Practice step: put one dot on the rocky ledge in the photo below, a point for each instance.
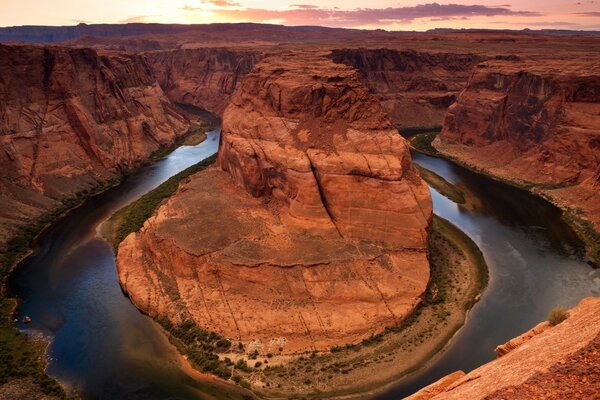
(548, 362)
(311, 231)
(534, 123)
(71, 119)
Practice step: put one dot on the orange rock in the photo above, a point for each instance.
(311, 233)
(414, 88)
(554, 362)
(69, 119)
(203, 77)
(534, 123)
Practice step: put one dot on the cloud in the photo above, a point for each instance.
(312, 15)
(137, 19)
(589, 14)
(222, 3)
(305, 6)
(214, 3)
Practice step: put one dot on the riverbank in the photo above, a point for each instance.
(132, 217)
(574, 217)
(21, 357)
(458, 276)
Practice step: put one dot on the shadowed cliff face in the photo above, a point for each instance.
(312, 230)
(535, 123)
(203, 77)
(70, 119)
(414, 88)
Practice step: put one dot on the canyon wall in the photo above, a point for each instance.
(549, 362)
(415, 88)
(311, 231)
(71, 119)
(203, 77)
(534, 123)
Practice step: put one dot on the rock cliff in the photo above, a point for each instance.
(312, 230)
(549, 362)
(415, 88)
(71, 119)
(204, 77)
(534, 123)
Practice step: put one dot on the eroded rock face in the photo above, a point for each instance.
(550, 362)
(534, 123)
(70, 119)
(310, 233)
(204, 77)
(415, 88)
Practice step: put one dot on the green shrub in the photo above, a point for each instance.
(557, 315)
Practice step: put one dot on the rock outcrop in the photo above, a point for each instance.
(534, 123)
(204, 77)
(71, 119)
(557, 362)
(312, 230)
(415, 88)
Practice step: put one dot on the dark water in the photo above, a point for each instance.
(534, 264)
(105, 349)
(102, 346)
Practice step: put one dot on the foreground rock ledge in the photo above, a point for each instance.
(548, 362)
(312, 230)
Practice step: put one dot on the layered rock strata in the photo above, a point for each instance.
(535, 124)
(204, 77)
(415, 88)
(549, 362)
(71, 119)
(312, 230)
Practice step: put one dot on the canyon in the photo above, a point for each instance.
(311, 232)
(312, 227)
(534, 124)
(70, 120)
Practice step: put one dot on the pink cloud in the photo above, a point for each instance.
(312, 15)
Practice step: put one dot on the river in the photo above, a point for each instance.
(104, 348)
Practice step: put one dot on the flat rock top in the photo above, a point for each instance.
(242, 228)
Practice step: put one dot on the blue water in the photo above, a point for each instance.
(104, 348)
(534, 261)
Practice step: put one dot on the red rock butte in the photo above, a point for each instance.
(310, 232)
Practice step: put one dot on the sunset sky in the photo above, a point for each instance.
(385, 14)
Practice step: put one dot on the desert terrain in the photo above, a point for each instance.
(307, 260)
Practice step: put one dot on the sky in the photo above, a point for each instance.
(374, 14)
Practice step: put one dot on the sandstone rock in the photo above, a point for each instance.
(204, 77)
(512, 344)
(312, 231)
(69, 119)
(534, 123)
(415, 88)
(560, 362)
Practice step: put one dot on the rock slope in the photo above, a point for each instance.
(71, 119)
(415, 88)
(549, 362)
(534, 123)
(205, 77)
(312, 230)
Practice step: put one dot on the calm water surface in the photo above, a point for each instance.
(534, 261)
(104, 348)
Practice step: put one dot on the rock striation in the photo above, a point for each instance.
(205, 77)
(414, 88)
(534, 123)
(550, 362)
(311, 231)
(71, 119)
